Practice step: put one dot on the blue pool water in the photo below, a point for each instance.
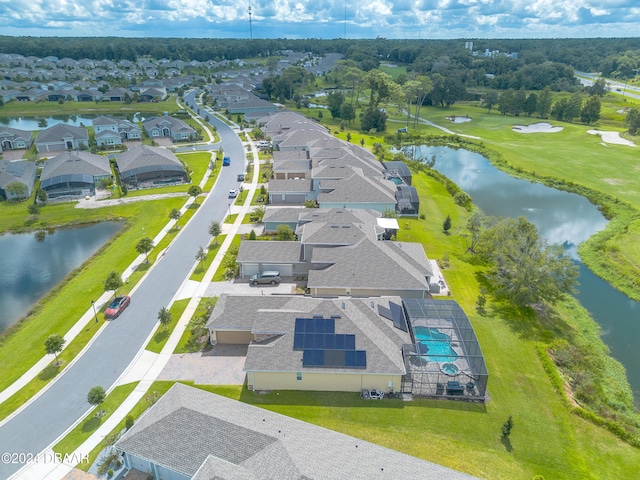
(437, 343)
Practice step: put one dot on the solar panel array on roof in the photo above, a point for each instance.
(322, 347)
(397, 315)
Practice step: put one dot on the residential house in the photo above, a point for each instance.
(74, 174)
(14, 139)
(145, 167)
(357, 191)
(193, 434)
(361, 349)
(166, 126)
(60, 137)
(110, 132)
(23, 172)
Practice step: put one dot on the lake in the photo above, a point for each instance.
(562, 218)
(30, 268)
(31, 123)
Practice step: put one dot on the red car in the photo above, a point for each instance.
(116, 307)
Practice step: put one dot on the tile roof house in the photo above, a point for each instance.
(192, 434)
(74, 174)
(61, 137)
(166, 126)
(144, 167)
(23, 172)
(14, 139)
(277, 359)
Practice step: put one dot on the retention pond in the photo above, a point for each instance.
(562, 218)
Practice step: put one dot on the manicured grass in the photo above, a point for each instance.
(27, 109)
(162, 334)
(203, 266)
(219, 275)
(183, 343)
(84, 429)
(231, 218)
(22, 345)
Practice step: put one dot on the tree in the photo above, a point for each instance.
(42, 123)
(145, 245)
(591, 110)
(446, 225)
(17, 190)
(257, 215)
(347, 112)
(473, 229)
(165, 317)
(33, 209)
(53, 344)
(215, 230)
(507, 427)
(284, 233)
(335, 100)
(201, 255)
(544, 103)
(490, 99)
(175, 214)
(194, 191)
(505, 103)
(389, 213)
(252, 235)
(373, 119)
(523, 268)
(599, 87)
(41, 195)
(113, 282)
(96, 396)
(531, 104)
(633, 121)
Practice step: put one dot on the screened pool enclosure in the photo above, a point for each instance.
(445, 359)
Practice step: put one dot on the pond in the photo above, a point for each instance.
(562, 218)
(32, 123)
(30, 267)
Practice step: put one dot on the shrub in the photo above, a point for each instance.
(128, 422)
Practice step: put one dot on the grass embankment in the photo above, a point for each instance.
(162, 334)
(85, 429)
(23, 345)
(203, 265)
(38, 109)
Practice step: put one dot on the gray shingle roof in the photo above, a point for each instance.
(269, 252)
(301, 185)
(60, 131)
(22, 171)
(145, 156)
(188, 425)
(370, 264)
(75, 163)
(357, 188)
(282, 214)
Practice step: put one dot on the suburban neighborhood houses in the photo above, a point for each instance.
(360, 317)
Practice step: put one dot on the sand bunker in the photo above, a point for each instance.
(456, 119)
(542, 127)
(612, 137)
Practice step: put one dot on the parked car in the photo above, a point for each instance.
(226, 161)
(271, 277)
(241, 177)
(233, 193)
(116, 307)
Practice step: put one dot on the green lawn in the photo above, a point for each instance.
(26, 109)
(162, 334)
(203, 266)
(183, 344)
(84, 429)
(219, 275)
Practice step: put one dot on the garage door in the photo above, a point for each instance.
(295, 198)
(285, 270)
(249, 269)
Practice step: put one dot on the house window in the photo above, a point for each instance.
(299, 376)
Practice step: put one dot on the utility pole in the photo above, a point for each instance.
(250, 24)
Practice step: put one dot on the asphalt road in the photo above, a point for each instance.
(38, 425)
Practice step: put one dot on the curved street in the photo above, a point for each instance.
(64, 401)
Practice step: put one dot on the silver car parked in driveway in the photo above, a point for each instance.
(271, 277)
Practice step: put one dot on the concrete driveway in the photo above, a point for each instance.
(222, 365)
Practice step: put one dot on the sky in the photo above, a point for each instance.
(414, 19)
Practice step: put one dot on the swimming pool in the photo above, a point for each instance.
(437, 343)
